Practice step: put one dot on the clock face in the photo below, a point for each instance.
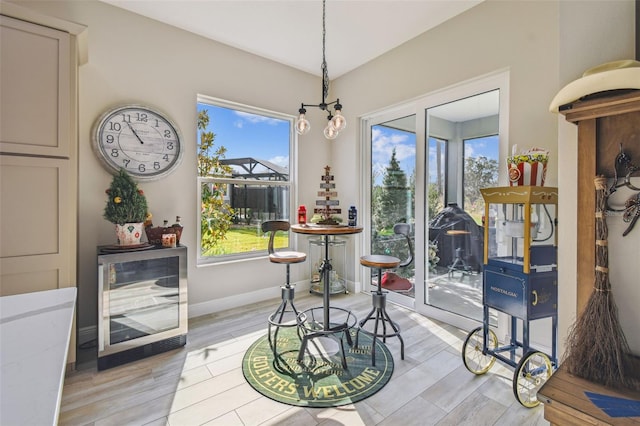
(139, 139)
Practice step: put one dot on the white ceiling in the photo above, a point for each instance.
(290, 31)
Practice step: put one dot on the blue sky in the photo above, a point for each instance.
(383, 142)
(385, 139)
(265, 138)
(249, 135)
(486, 147)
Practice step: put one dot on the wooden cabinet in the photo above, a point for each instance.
(35, 105)
(37, 158)
(38, 155)
(604, 122)
(37, 216)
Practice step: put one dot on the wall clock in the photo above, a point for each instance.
(140, 139)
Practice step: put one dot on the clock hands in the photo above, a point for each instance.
(134, 132)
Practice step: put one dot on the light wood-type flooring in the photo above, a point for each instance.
(202, 383)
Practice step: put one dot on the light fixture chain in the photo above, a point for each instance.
(325, 71)
(337, 122)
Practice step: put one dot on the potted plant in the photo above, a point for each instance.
(126, 208)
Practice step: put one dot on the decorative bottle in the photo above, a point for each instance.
(353, 216)
(302, 215)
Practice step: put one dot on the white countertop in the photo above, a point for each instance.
(35, 329)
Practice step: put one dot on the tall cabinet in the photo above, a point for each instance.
(38, 153)
(604, 123)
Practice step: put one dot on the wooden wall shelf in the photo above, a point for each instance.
(604, 122)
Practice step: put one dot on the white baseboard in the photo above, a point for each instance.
(236, 301)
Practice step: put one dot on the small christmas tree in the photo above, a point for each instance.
(330, 205)
(125, 203)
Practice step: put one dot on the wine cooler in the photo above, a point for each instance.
(142, 303)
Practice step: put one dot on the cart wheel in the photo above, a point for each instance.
(532, 372)
(473, 354)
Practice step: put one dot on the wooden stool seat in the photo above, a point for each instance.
(380, 261)
(287, 257)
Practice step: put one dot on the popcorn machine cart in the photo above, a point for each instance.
(520, 279)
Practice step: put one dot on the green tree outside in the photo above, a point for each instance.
(479, 172)
(391, 203)
(216, 215)
(433, 199)
(389, 206)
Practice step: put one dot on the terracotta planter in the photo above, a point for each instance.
(129, 234)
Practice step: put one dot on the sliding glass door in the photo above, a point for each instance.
(466, 131)
(392, 197)
(427, 161)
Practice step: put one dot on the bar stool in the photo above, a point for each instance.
(379, 298)
(282, 317)
(459, 263)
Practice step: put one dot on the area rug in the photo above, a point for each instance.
(319, 380)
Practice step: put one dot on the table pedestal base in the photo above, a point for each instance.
(311, 325)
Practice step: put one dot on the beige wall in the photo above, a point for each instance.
(542, 43)
(545, 45)
(134, 59)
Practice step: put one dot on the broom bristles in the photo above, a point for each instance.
(597, 349)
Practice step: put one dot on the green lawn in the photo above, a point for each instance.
(247, 238)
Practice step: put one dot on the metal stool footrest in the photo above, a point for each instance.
(382, 321)
(311, 327)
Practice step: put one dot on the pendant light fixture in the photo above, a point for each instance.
(336, 121)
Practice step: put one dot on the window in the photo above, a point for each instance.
(480, 171)
(456, 137)
(244, 177)
(393, 189)
(437, 175)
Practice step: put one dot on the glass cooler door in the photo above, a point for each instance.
(143, 298)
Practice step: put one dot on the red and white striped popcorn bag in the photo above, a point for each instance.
(529, 168)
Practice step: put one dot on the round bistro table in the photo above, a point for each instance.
(326, 231)
(327, 328)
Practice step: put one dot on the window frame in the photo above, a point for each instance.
(290, 183)
(445, 183)
(419, 106)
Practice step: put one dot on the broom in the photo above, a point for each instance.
(597, 349)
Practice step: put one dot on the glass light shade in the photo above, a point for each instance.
(330, 132)
(338, 121)
(302, 125)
